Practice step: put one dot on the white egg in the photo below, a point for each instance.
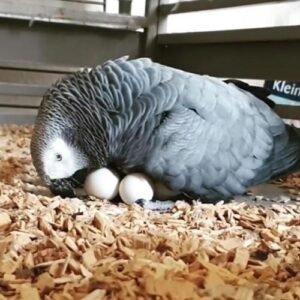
(135, 186)
(102, 183)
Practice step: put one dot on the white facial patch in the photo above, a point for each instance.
(62, 160)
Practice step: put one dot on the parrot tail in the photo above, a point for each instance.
(286, 160)
(167, 205)
(157, 205)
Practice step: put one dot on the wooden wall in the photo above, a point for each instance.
(42, 40)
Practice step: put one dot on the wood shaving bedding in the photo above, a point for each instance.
(61, 249)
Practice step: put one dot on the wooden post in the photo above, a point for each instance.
(151, 31)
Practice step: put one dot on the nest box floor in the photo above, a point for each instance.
(53, 248)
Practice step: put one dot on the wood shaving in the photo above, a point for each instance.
(54, 248)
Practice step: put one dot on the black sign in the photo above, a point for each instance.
(285, 89)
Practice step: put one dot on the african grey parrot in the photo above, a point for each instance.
(200, 136)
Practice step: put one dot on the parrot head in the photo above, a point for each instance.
(61, 164)
(65, 166)
(66, 144)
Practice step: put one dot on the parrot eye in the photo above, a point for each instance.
(58, 157)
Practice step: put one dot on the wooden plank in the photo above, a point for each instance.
(152, 29)
(263, 53)
(254, 60)
(282, 33)
(54, 12)
(36, 67)
(198, 5)
(17, 89)
(96, 2)
(20, 101)
(29, 77)
(17, 115)
(62, 48)
(288, 111)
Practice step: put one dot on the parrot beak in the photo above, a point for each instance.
(62, 187)
(80, 176)
(65, 187)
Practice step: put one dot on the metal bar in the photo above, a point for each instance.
(18, 89)
(282, 33)
(198, 5)
(53, 12)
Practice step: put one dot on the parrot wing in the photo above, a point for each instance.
(197, 133)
